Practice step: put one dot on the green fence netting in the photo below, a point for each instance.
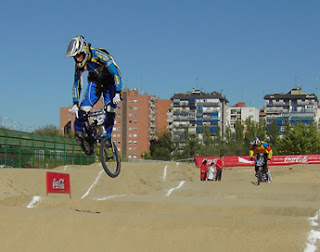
(30, 150)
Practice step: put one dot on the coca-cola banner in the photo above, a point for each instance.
(276, 160)
(58, 183)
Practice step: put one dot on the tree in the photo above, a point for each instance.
(238, 146)
(300, 140)
(161, 153)
(48, 130)
(273, 133)
(207, 147)
(161, 148)
(190, 143)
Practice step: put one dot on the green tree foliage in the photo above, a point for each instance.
(238, 146)
(273, 133)
(207, 146)
(48, 130)
(146, 155)
(299, 140)
(161, 148)
(161, 153)
(191, 146)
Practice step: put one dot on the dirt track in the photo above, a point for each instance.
(160, 207)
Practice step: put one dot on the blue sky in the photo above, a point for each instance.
(244, 49)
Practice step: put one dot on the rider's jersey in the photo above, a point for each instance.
(102, 69)
(264, 148)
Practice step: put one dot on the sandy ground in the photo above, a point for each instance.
(161, 206)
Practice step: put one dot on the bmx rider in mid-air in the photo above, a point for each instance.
(104, 78)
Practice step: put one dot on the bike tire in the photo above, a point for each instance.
(87, 147)
(259, 176)
(110, 158)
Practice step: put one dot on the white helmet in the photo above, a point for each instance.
(256, 141)
(76, 46)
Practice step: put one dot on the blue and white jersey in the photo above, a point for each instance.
(102, 70)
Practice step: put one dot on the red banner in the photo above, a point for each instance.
(276, 160)
(58, 183)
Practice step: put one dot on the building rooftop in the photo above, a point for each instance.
(295, 93)
(196, 94)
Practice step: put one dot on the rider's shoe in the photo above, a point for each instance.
(78, 136)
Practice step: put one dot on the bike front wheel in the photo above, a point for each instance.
(259, 176)
(110, 158)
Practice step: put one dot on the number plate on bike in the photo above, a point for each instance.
(259, 162)
(97, 117)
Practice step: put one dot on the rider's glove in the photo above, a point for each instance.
(116, 99)
(251, 158)
(74, 109)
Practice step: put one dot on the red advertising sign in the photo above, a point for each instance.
(276, 160)
(58, 183)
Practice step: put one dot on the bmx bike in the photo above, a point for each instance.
(263, 174)
(94, 133)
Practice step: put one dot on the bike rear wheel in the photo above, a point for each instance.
(87, 147)
(110, 158)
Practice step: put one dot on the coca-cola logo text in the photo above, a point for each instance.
(58, 184)
(296, 159)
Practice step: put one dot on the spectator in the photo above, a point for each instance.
(219, 167)
(203, 170)
(211, 172)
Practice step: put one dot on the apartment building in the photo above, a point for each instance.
(139, 119)
(240, 112)
(292, 107)
(196, 110)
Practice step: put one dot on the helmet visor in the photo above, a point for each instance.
(72, 48)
